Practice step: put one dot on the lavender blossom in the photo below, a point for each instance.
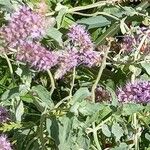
(137, 92)
(80, 38)
(67, 61)
(36, 56)
(4, 143)
(24, 24)
(3, 115)
(80, 51)
(131, 42)
(91, 58)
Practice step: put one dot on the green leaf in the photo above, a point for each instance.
(146, 66)
(19, 111)
(111, 31)
(87, 108)
(147, 136)
(130, 108)
(55, 34)
(81, 94)
(10, 94)
(7, 4)
(44, 96)
(60, 17)
(94, 22)
(122, 26)
(117, 131)
(135, 70)
(106, 130)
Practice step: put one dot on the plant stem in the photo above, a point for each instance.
(62, 101)
(96, 137)
(100, 72)
(93, 93)
(97, 4)
(73, 80)
(95, 14)
(136, 56)
(100, 125)
(52, 82)
(136, 138)
(80, 8)
(135, 121)
(10, 68)
(41, 132)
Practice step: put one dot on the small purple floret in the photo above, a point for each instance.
(67, 61)
(24, 25)
(37, 56)
(4, 143)
(137, 92)
(79, 37)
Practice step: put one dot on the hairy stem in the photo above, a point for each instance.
(100, 72)
(52, 82)
(80, 8)
(93, 93)
(10, 68)
(136, 137)
(95, 14)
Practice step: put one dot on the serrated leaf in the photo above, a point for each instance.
(19, 111)
(146, 66)
(129, 109)
(117, 131)
(122, 26)
(81, 94)
(94, 22)
(147, 136)
(44, 95)
(87, 108)
(9, 94)
(111, 31)
(55, 34)
(106, 130)
(60, 17)
(135, 70)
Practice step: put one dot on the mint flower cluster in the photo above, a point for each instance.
(80, 51)
(80, 38)
(24, 32)
(131, 42)
(137, 92)
(4, 143)
(24, 25)
(36, 56)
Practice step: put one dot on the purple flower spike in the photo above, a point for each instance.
(79, 37)
(24, 24)
(3, 115)
(91, 58)
(4, 143)
(137, 92)
(129, 43)
(37, 56)
(67, 61)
